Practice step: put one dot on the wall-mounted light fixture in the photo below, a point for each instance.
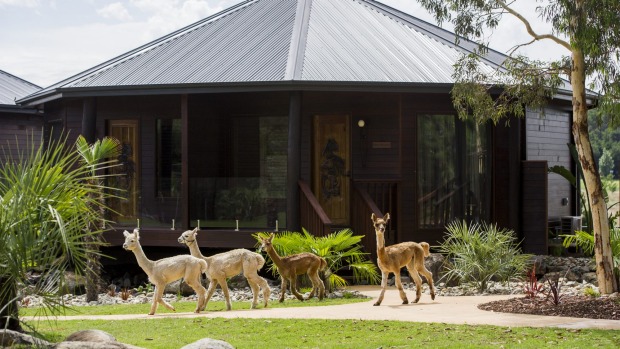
(363, 146)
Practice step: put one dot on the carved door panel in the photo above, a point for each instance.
(126, 208)
(331, 165)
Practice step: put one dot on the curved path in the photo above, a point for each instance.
(452, 310)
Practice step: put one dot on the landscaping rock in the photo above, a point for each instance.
(10, 339)
(90, 336)
(209, 343)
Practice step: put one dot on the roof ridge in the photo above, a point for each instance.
(294, 66)
(20, 79)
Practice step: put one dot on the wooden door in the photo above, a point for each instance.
(128, 179)
(331, 165)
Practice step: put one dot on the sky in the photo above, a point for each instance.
(46, 41)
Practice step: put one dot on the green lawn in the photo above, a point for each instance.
(171, 333)
(292, 333)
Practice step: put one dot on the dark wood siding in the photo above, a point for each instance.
(547, 137)
(534, 206)
(18, 132)
(506, 175)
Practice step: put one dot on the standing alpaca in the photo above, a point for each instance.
(167, 270)
(297, 264)
(227, 264)
(392, 258)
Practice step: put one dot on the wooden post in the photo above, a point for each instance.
(293, 163)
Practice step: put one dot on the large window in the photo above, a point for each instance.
(453, 179)
(242, 181)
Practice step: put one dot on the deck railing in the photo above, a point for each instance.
(312, 217)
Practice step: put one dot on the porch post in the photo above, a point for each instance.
(89, 119)
(184, 163)
(293, 162)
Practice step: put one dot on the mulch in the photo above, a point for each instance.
(604, 307)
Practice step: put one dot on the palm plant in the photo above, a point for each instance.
(585, 241)
(93, 158)
(342, 250)
(479, 253)
(46, 202)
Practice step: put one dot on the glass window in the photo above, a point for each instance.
(242, 182)
(452, 171)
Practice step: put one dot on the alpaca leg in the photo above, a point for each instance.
(399, 285)
(265, 288)
(224, 286)
(200, 292)
(429, 278)
(253, 280)
(293, 282)
(155, 301)
(384, 277)
(317, 284)
(210, 291)
(418, 280)
(283, 286)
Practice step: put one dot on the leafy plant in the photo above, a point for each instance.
(532, 288)
(342, 250)
(47, 201)
(590, 292)
(554, 294)
(479, 253)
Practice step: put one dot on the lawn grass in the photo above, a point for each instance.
(170, 333)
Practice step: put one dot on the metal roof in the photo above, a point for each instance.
(13, 88)
(271, 42)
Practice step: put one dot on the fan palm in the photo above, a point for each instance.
(47, 199)
(342, 250)
(93, 156)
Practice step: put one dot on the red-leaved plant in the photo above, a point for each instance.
(532, 288)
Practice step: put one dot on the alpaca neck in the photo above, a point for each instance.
(194, 250)
(144, 263)
(380, 244)
(275, 257)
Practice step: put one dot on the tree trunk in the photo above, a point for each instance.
(93, 271)
(9, 316)
(600, 222)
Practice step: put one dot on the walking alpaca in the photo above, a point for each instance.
(392, 258)
(297, 264)
(167, 270)
(227, 264)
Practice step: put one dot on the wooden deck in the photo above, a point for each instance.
(167, 237)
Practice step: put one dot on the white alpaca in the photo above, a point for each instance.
(228, 264)
(167, 270)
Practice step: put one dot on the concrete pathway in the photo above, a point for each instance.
(449, 310)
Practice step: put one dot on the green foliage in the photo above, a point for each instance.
(590, 292)
(585, 241)
(606, 163)
(479, 253)
(341, 250)
(46, 204)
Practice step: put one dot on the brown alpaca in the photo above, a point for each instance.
(167, 270)
(392, 258)
(297, 264)
(228, 264)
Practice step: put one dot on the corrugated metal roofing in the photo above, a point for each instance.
(269, 41)
(13, 88)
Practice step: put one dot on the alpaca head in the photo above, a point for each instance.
(380, 223)
(266, 244)
(188, 237)
(132, 240)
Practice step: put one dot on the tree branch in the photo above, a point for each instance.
(530, 30)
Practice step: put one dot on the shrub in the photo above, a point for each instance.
(342, 251)
(479, 253)
(532, 288)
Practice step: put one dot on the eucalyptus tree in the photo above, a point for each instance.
(587, 32)
(95, 157)
(47, 198)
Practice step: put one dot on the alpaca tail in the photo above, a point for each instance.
(203, 266)
(260, 261)
(426, 248)
(323, 264)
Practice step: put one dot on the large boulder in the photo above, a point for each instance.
(208, 343)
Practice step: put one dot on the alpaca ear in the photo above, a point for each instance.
(373, 217)
(137, 233)
(271, 237)
(125, 233)
(195, 230)
(387, 217)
